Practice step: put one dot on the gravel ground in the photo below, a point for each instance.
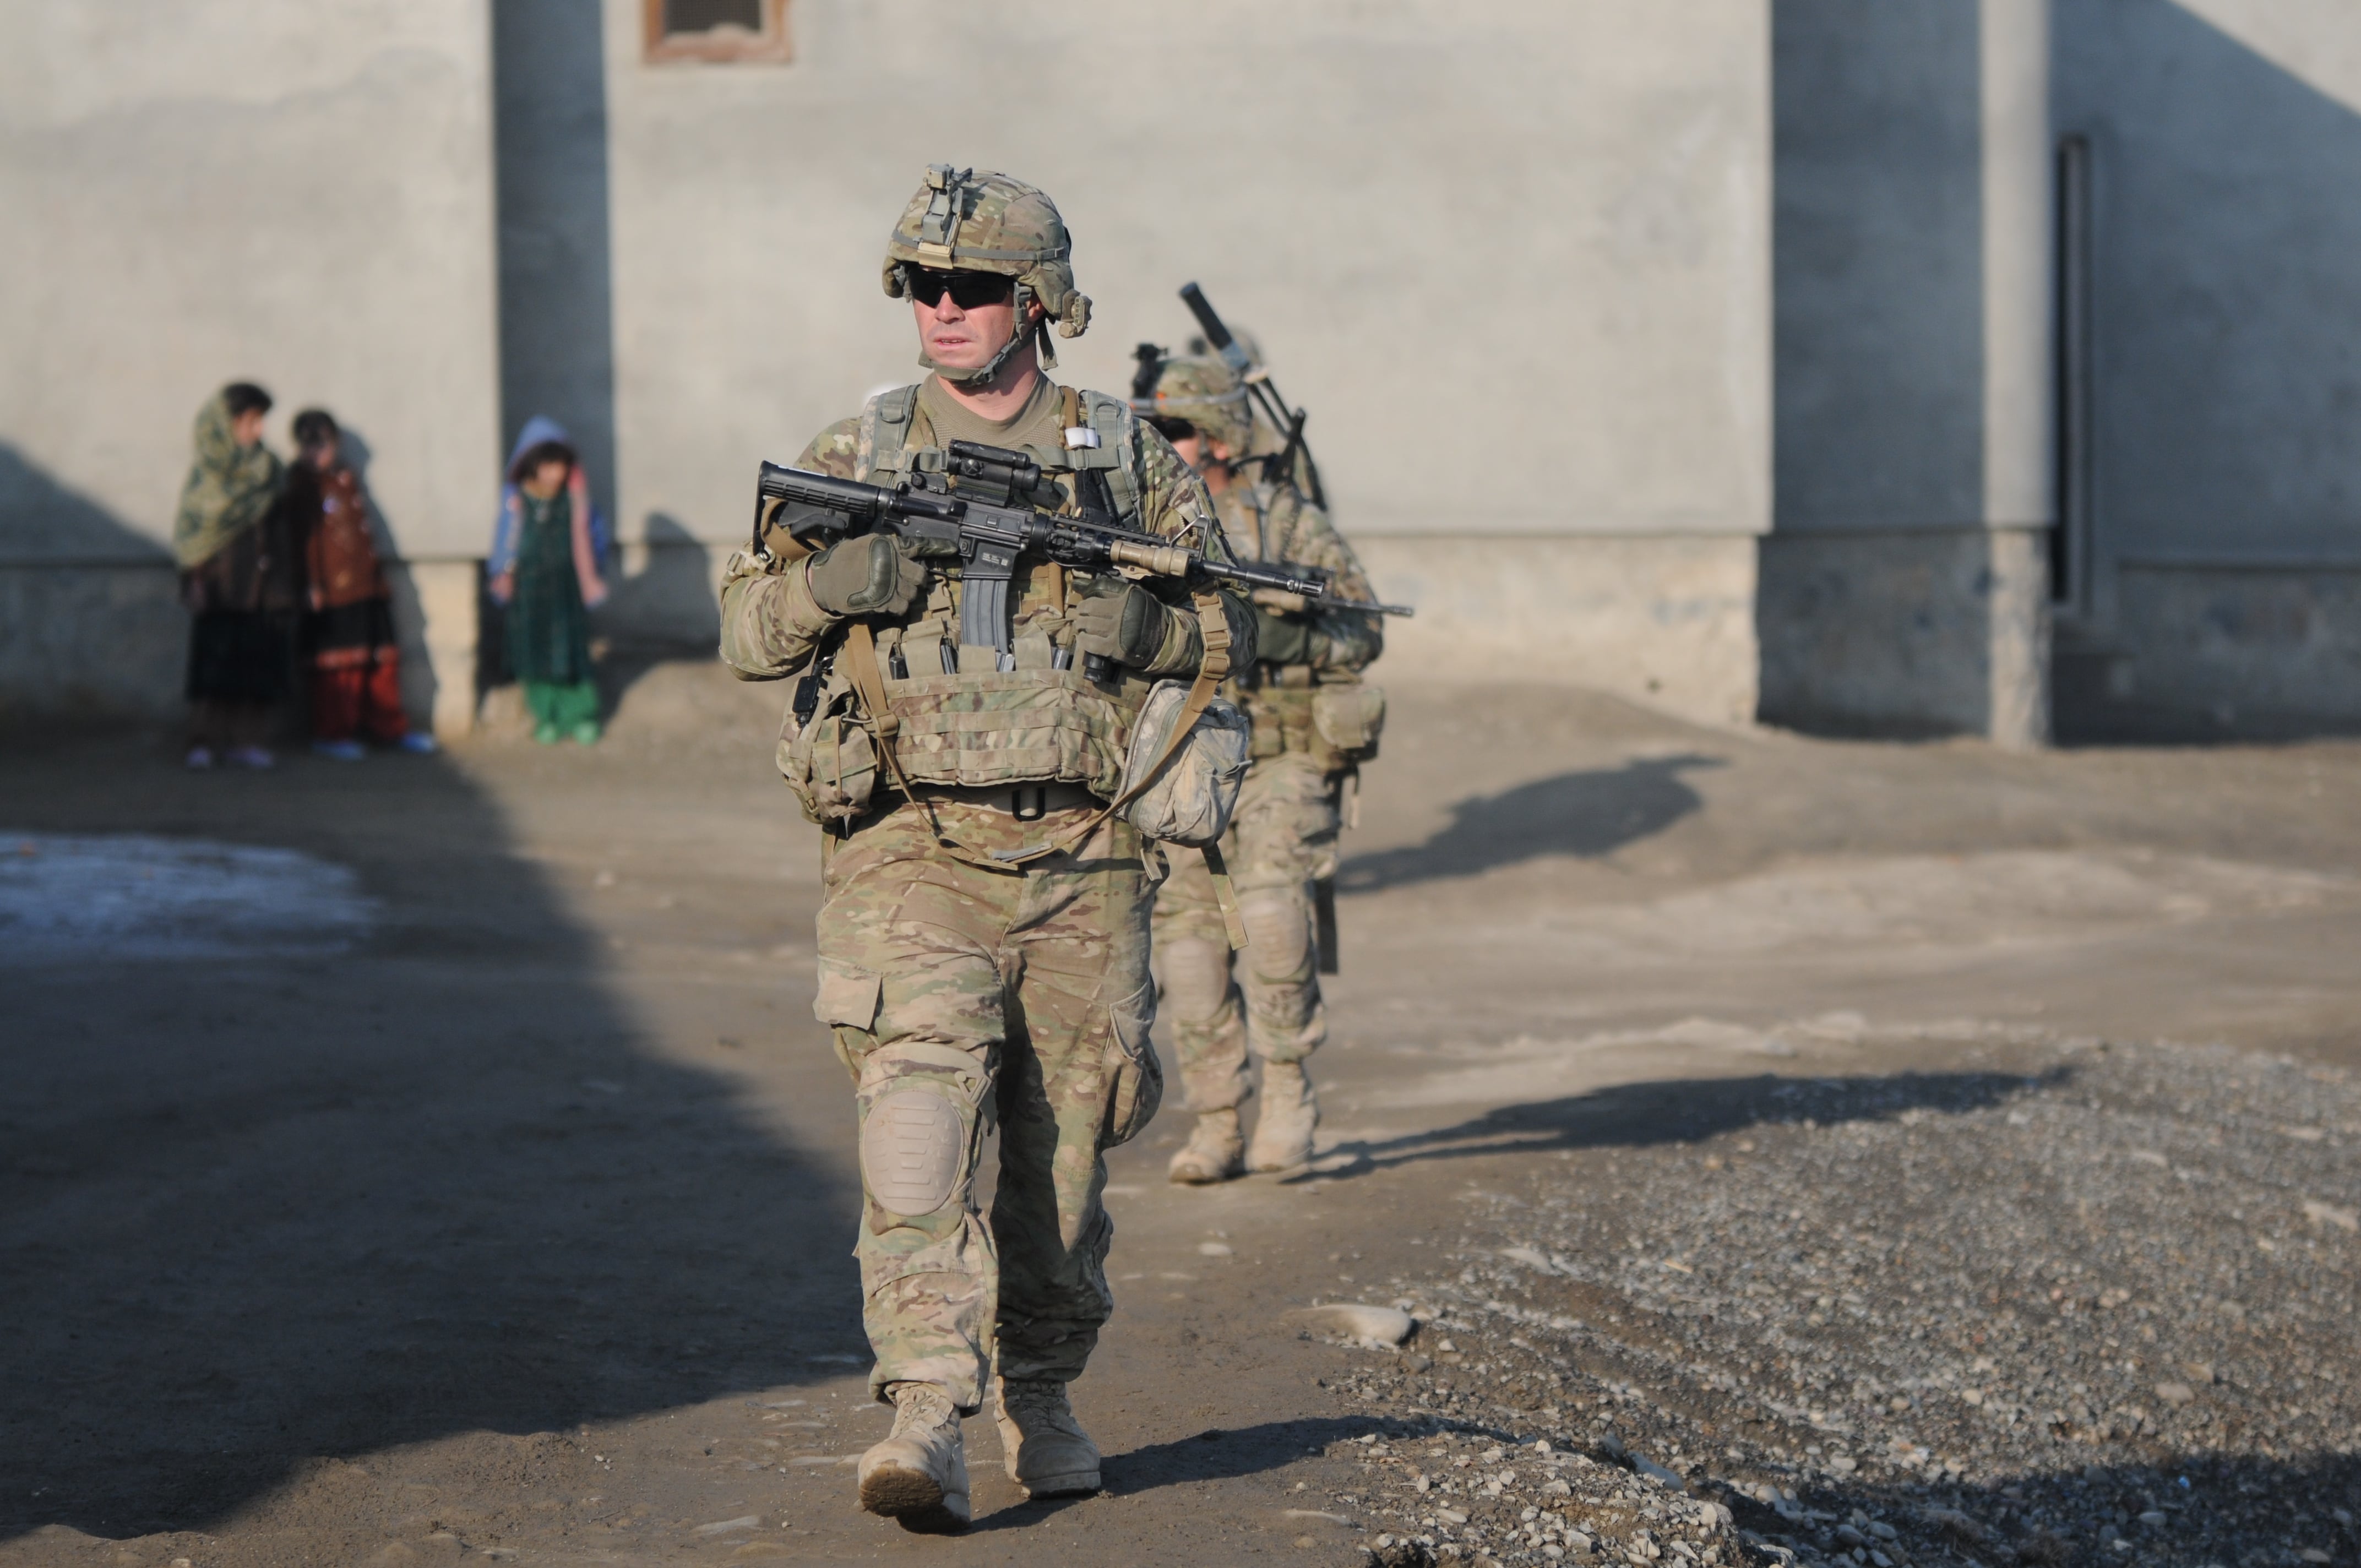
(2091, 1302)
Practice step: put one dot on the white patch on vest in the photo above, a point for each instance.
(79, 900)
(1079, 436)
(910, 1148)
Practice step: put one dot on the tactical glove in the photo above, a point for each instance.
(1282, 640)
(1119, 619)
(868, 575)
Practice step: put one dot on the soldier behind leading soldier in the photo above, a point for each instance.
(1315, 723)
(966, 992)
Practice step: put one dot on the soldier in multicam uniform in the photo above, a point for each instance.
(1314, 724)
(967, 990)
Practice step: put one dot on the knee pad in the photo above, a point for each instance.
(913, 1148)
(1196, 976)
(1279, 937)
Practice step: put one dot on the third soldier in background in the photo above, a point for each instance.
(1315, 723)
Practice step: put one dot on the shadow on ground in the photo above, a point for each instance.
(258, 1210)
(1585, 813)
(1662, 1111)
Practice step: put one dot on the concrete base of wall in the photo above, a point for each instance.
(1668, 621)
(667, 590)
(1909, 632)
(94, 637)
(112, 637)
(438, 614)
(2218, 652)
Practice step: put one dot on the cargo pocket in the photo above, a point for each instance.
(847, 994)
(1135, 1080)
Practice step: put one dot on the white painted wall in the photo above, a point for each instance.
(1513, 257)
(199, 191)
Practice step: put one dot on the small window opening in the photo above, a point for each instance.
(718, 31)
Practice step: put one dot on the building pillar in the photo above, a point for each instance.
(2019, 273)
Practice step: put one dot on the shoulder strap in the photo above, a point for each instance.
(1116, 457)
(885, 429)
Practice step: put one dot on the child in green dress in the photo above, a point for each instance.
(545, 569)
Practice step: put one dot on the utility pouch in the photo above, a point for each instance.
(1189, 797)
(829, 760)
(1345, 723)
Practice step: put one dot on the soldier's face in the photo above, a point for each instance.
(961, 337)
(1211, 459)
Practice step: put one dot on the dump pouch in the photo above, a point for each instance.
(1189, 799)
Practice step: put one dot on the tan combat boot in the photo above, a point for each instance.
(919, 1475)
(1048, 1454)
(1282, 1134)
(1215, 1151)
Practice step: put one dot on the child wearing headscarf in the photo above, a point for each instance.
(239, 577)
(348, 633)
(544, 567)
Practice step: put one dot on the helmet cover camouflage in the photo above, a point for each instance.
(962, 220)
(1202, 391)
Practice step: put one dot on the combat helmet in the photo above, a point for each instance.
(962, 220)
(1195, 387)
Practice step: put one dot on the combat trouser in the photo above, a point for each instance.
(1282, 840)
(964, 997)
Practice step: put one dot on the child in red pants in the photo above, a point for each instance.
(356, 663)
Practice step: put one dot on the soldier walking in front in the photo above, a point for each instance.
(984, 933)
(1315, 723)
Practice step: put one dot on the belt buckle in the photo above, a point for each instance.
(1040, 804)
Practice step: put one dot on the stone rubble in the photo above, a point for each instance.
(2073, 1309)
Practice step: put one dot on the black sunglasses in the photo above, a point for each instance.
(967, 290)
(1172, 428)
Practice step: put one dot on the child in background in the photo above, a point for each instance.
(238, 579)
(544, 568)
(356, 663)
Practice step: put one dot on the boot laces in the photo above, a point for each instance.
(920, 1408)
(1044, 1401)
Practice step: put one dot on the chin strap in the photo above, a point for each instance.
(983, 374)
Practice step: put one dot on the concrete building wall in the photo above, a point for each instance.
(2221, 577)
(1513, 259)
(1901, 587)
(198, 192)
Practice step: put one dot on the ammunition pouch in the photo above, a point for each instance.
(994, 728)
(1345, 723)
(1336, 726)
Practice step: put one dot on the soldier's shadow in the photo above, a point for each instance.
(1634, 1115)
(1586, 814)
(1222, 1456)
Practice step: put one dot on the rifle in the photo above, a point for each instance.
(974, 512)
(1265, 393)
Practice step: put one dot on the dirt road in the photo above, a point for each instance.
(466, 1177)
